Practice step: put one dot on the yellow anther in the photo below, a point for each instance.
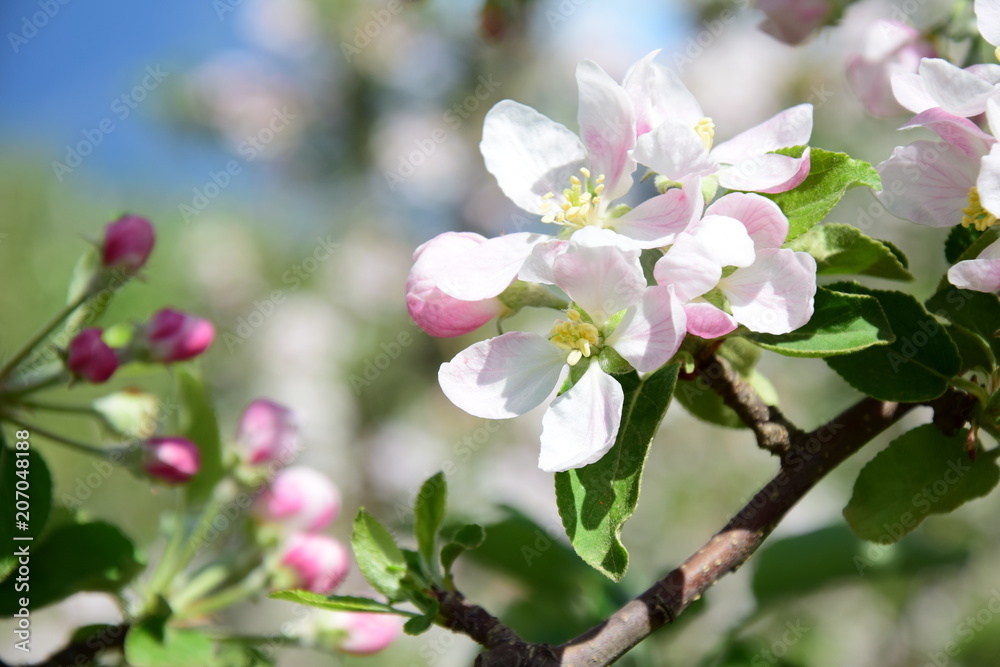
(580, 205)
(706, 130)
(574, 180)
(975, 215)
(574, 335)
(548, 195)
(585, 172)
(599, 179)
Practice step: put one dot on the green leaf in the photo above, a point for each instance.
(379, 559)
(468, 537)
(152, 643)
(333, 602)
(596, 500)
(242, 654)
(418, 625)
(429, 513)
(842, 249)
(74, 558)
(841, 324)
(26, 489)
(197, 423)
(959, 240)
(830, 176)
(916, 366)
(976, 311)
(920, 473)
(975, 352)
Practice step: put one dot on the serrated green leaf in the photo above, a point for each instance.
(468, 537)
(916, 366)
(844, 250)
(959, 240)
(429, 514)
(596, 500)
(381, 562)
(197, 423)
(333, 602)
(976, 311)
(152, 643)
(78, 557)
(841, 324)
(830, 176)
(975, 352)
(920, 473)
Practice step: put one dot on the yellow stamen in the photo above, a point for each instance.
(581, 203)
(574, 335)
(975, 215)
(706, 130)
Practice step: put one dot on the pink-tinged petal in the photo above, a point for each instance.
(988, 18)
(675, 150)
(791, 127)
(767, 172)
(598, 274)
(726, 240)
(775, 295)
(706, 321)
(763, 219)
(955, 90)
(607, 126)
(658, 94)
(689, 268)
(503, 377)
(538, 267)
(529, 154)
(956, 130)
(649, 334)
(581, 425)
(489, 268)
(988, 182)
(656, 222)
(793, 21)
(993, 115)
(910, 91)
(980, 275)
(927, 182)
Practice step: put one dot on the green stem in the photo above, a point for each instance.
(60, 407)
(202, 583)
(971, 388)
(39, 336)
(81, 447)
(57, 377)
(251, 585)
(166, 568)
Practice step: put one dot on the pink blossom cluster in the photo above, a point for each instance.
(955, 180)
(714, 268)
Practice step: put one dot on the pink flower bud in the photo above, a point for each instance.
(267, 433)
(364, 633)
(318, 562)
(127, 243)
(175, 336)
(172, 459)
(889, 47)
(90, 358)
(299, 498)
(793, 21)
(434, 311)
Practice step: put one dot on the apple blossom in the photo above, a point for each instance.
(988, 20)
(175, 336)
(299, 498)
(981, 274)
(794, 21)
(614, 314)
(318, 563)
(90, 358)
(939, 84)
(173, 459)
(266, 433)
(361, 633)
(889, 47)
(128, 241)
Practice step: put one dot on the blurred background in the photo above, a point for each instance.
(293, 154)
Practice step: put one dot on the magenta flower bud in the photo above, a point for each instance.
(172, 459)
(90, 358)
(363, 633)
(434, 311)
(127, 243)
(318, 562)
(794, 21)
(299, 498)
(175, 336)
(266, 433)
(890, 47)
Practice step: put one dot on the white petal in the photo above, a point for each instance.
(598, 274)
(537, 268)
(707, 321)
(956, 130)
(607, 126)
(502, 377)
(791, 127)
(658, 94)
(656, 222)
(988, 182)
(766, 172)
(675, 150)
(489, 268)
(910, 91)
(988, 17)
(726, 239)
(650, 333)
(954, 89)
(689, 268)
(927, 182)
(775, 295)
(993, 115)
(529, 154)
(980, 275)
(763, 219)
(581, 425)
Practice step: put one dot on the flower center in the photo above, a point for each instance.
(582, 202)
(975, 215)
(574, 335)
(706, 130)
